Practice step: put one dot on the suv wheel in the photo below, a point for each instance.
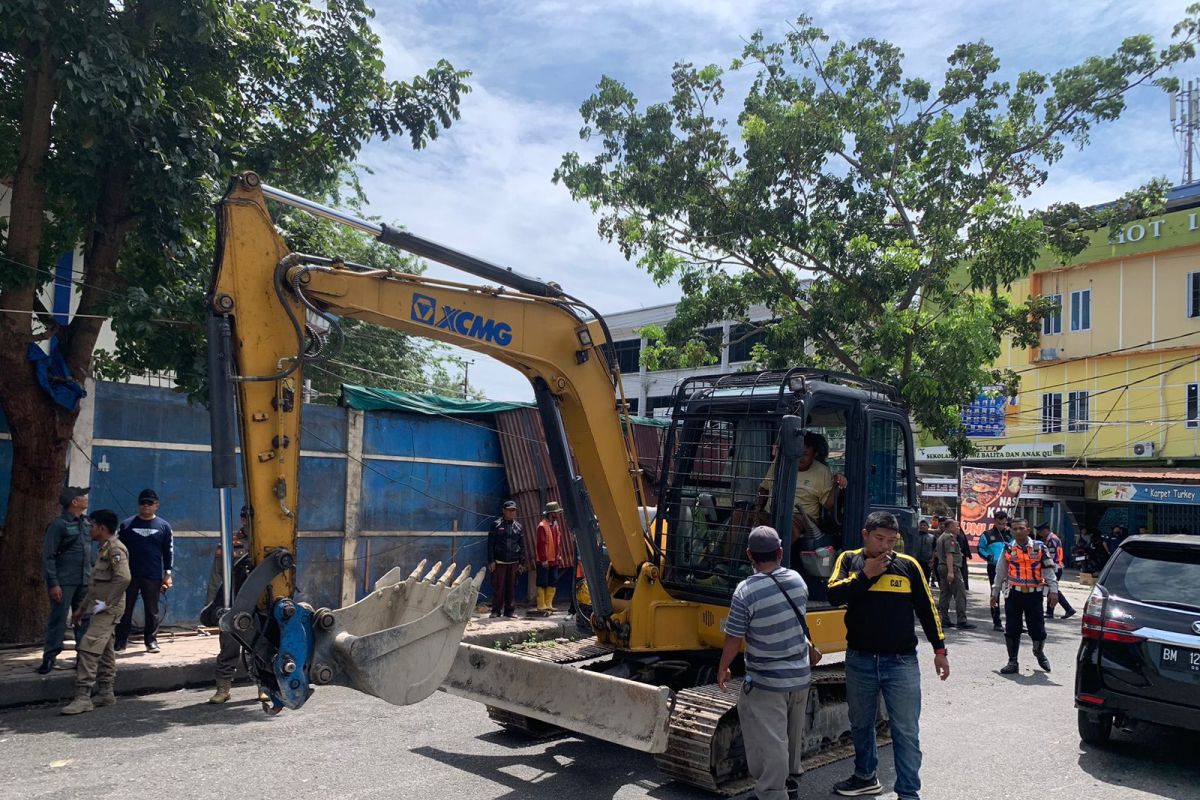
(1095, 728)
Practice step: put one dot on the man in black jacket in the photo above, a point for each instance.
(506, 556)
(881, 591)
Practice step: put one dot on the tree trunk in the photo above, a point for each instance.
(41, 431)
(41, 435)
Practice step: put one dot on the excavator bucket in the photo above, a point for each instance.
(398, 642)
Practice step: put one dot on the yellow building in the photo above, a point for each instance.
(1110, 399)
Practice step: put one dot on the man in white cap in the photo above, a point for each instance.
(766, 614)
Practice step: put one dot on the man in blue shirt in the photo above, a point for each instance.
(148, 538)
(991, 547)
(765, 614)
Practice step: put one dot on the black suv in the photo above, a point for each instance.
(1140, 655)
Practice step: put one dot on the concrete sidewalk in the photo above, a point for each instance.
(189, 657)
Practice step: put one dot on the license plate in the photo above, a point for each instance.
(1180, 659)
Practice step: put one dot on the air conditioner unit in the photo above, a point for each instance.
(1048, 354)
(1143, 449)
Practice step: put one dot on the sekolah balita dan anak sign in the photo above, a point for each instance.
(1177, 493)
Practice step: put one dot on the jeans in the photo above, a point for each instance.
(60, 613)
(898, 678)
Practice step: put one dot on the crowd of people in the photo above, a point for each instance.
(133, 558)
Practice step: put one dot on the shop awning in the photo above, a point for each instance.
(1126, 473)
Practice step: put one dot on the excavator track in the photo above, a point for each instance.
(705, 747)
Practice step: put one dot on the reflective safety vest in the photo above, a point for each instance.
(1054, 544)
(1025, 564)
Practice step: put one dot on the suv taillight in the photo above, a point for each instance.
(1095, 626)
(1093, 614)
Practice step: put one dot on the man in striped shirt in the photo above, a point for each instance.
(775, 690)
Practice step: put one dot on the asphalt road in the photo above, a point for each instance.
(985, 737)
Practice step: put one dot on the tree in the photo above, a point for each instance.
(120, 123)
(877, 215)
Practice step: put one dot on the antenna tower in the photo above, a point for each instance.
(1185, 121)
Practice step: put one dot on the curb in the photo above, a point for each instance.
(146, 678)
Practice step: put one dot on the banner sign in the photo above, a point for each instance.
(985, 416)
(983, 492)
(994, 452)
(1175, 493)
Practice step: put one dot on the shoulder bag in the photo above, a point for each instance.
(814, 655)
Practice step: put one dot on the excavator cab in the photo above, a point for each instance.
(751, 449)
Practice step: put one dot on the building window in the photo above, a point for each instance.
(1052, 322)
(658, 406)
(1193, 294)
(1081, 310)
(743, 338)
(1077, 412)
(633, 404)
(629, 354)
(1052, 412)
(1193, 405)
(714, 340)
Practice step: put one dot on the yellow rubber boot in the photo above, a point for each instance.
(549, 600)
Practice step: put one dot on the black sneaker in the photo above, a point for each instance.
(152, 647)
(855, 786)
(119, 648)
(792, 785)
(1069, 614)
(967, 626)
(997, 627)
(47, 665)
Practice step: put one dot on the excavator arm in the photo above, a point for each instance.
(271, 313)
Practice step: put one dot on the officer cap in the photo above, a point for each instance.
(71, 492)
(509, 504)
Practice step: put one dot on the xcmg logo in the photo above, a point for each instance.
(425, 310)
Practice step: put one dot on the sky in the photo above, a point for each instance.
(484, 187)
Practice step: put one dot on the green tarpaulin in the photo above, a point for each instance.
(361, 398)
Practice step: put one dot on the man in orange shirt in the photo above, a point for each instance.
(549, 547)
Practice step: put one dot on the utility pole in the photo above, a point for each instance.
(466, 377)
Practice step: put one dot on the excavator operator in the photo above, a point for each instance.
(816, 488)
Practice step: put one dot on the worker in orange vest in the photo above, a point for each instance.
(1055, 546)
(550, 547)
(1026, 569)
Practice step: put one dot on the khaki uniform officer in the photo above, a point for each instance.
(95, 660)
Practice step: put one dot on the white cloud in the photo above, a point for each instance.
(485, 185)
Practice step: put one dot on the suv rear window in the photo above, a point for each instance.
(1163, 576)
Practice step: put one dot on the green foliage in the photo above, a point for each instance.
(157, 103)
(877, 215)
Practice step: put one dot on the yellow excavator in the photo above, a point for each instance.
(659, 575)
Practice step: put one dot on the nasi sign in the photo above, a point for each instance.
(427, 311)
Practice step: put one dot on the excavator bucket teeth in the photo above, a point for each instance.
(398, 642)
(617, 710)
